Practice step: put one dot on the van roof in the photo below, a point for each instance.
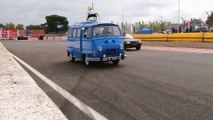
(89, 24)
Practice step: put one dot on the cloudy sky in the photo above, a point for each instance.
(34, 11)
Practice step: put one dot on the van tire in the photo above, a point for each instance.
(71, 58)
(85, 61)
(115, 62)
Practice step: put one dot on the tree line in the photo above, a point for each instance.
(53, 24)
(11, 26)
(163, 26)
(59, 24)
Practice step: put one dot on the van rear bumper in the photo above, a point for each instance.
(107, 58)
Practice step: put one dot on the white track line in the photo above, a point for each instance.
(184, 50)
(83, 107)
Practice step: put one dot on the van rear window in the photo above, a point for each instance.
(76, 33)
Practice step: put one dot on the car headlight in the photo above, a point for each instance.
(121, 47)
(127, 42)
(100, 49)
(139, 41)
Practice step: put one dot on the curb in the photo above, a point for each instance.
(20, 97)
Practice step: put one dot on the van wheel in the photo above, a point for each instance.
(71, 58)
(86, 61)
(115, 62)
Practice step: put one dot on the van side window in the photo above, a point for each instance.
(70, 33)
(78, 32)
(86, 33)
(74, 33)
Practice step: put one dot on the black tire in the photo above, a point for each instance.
(115, 62)
(71, 58)
(85, 61)
(138, 47)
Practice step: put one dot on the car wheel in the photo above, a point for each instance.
(71, 58)
(115, 62)
(138, 47)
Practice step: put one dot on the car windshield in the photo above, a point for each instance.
(100, 31)
(128, 36)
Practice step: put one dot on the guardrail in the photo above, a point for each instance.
(176, 37)
(55, 37)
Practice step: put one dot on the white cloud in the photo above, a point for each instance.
(34, 11)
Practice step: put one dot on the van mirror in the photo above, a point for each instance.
(124, 34)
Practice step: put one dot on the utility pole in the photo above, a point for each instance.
(207, 19)
(207, 13)
(179, 16)
(123, 29)
(184, 22)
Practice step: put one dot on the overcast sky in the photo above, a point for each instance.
(34, 11)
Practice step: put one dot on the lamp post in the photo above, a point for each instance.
(179, 16)
(123, 26)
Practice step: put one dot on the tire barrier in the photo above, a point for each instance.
(177, 37)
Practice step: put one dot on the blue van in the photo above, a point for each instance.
(92, 42)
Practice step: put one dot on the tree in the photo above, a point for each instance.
(196, 22)
(210, 20)
(35, 27)
(20, 27)
(56, 24)
(10, 26)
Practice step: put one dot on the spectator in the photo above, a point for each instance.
(187, 30)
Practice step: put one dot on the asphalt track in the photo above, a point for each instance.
(150, 84)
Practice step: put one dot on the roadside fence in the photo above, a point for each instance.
(176, 37)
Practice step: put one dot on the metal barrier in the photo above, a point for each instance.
(208, 37)
(176, 37)
(55, 37)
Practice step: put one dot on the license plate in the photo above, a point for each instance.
(113, 58)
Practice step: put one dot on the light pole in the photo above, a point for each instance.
(179, 16)
(123, 26)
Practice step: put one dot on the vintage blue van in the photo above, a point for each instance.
(92, 42)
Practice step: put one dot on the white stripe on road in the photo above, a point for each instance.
(83, 107)
(173, 49)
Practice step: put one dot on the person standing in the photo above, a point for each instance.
(91, 15)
